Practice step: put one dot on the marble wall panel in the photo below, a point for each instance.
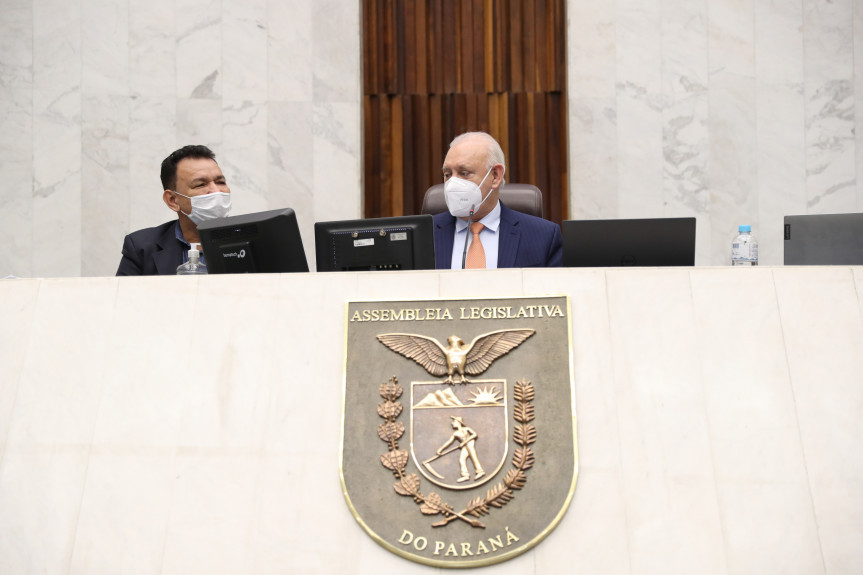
(828, 399)
(294, 396)
(731, 39)
(687, 168)
(56, 139)
(152, 129)
(231, 412)
(685, 120)
(16, 42)
(153, 134)
(585, 546)
(104, 48)
(732, 140)
(196, 532)
(639, 155)
(132, 490)
(685, 46)
(591, 50)
(336, 151)
(105, 181)
(780, 122)
(830, 155)
(243, 154)
(858, 99)
(244, 64)
(336, 54)
(778, 40)
(829, 90)
(638, 46)
(52, 425)
(40, 499)
(593, 153)
(469, 284)
(290, 51)
(757, 454)
(668, 478)
(145, 420)
(16, 137)
(732, 185)
(198, 52)
(16, 173)
(290, 165)
(17, 308)
(285, 532)
(200, 121)
(781, 165)
(152, 46)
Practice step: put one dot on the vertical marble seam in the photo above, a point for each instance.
(800, 442)
(854, 272)
(620, 482)
(720, 510)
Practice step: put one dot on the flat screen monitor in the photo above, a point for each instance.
(823, 239)
(263, 242)
(633, 242)
(399, 243)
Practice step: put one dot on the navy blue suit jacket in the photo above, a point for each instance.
(524, 241)
(152, 251)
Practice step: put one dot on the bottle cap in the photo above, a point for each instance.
(744, 229)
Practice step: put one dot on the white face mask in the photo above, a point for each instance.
(208, 206)
(463, 196)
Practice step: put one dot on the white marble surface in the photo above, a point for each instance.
(718, 416)
(732, 111)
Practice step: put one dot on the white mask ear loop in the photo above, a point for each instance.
(480, 189)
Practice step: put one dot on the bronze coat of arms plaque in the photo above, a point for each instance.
(458, 425)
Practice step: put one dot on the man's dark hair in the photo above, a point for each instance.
(169, 164)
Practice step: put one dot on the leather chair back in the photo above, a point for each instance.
(524, 198)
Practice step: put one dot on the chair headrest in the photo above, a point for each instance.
(525, 198)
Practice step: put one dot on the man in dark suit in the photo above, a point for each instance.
(196, 190)
(473, 173)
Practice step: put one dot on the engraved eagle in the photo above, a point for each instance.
(457, 357)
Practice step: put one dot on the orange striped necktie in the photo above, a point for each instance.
(475, 253)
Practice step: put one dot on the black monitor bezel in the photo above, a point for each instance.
(422, 242)
(275, 235)
(650, 242)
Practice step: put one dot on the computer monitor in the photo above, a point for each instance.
(398, 243)
(823, 239)
(263, 242)
(631, 242)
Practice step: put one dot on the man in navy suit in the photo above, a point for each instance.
(473, 173)
(195, 189)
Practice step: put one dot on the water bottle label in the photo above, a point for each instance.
(744, 251)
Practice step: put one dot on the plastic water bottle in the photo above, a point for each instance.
(194, 266)
(744, 249)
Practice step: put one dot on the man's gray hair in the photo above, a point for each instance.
(495, 153)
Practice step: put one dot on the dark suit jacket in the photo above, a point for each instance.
(524, 241)
(152, 251)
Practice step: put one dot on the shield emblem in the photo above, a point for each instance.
(459, 432)
(458, 444)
